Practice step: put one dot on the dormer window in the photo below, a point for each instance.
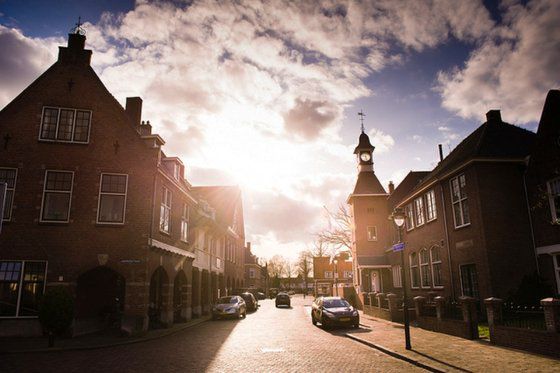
(176, 171)
(65, 125)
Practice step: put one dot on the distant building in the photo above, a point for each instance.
(328, 272)
(254, 275)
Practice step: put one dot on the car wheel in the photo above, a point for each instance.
(244, 314)
(313, 321)
(356, 326)
(324, 323)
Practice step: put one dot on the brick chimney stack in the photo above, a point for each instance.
(493, 117)
(134, 110)
(391, 187)
(74, 53)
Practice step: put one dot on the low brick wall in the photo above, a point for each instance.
(537, 341)
(458, 328)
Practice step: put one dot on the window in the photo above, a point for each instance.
(431, 213)
(409, 217)
(459, 200)
(165, 210)
(185, 223)
(554, 198)
(8, 176)
(112, 198)
(252, 273)
(22, 284)
(57, 194)
(372, 233)
(414, 273)
(556, 258)
(328, 274)
(469, 280)
(65, 125)
(397, 276)
(347, 274)
(436, 266)
(425, 268)
(419, 211)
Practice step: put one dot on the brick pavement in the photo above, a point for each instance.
(453, 354)
(269, 340)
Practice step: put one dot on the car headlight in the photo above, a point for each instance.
(355, 313)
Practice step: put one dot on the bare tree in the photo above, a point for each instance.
(304, 264)
(320, 248)
(338, 235)
(276, 267)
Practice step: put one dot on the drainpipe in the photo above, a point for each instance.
(447, 242)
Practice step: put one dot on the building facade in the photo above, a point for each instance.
(254, 275)
(329, 273)
(95, 205)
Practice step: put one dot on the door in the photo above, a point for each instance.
(469, 280)
(375, 281)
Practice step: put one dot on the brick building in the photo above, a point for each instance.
(255, 276)
(329, 271)
(468, 229)
(95, 205)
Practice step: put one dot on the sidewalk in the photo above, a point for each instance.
(90, 341)
(442, 352)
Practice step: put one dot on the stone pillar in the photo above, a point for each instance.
(419, 302)
(196, 293)
(494, 313)
(440, 306)
(371, 298)
(206, 295)
(166, 314)
(393, 306)
(551, 307)
(380, 298)
(432, 296)
(188, 291)
(470, 315)
(135, 320)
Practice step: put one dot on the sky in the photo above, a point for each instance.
(265, 94)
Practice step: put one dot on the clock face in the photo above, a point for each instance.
(365, 157)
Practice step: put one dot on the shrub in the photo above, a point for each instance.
(56, 312)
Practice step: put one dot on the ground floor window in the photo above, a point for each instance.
(397, 276)
(469, 280)
(22, 284)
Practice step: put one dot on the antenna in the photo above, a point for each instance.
(362, 115)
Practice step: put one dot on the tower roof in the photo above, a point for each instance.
(363, 144)
(368, 183)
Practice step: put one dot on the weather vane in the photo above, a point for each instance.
(362, 115)
(78, 29)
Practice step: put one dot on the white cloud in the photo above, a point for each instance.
(383, 142)
(513, 68)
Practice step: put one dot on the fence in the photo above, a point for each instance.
(523, 316)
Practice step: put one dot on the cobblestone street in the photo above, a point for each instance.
(269, 340)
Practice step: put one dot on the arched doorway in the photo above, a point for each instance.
(158, 285)
(180, 297)
(99, 300)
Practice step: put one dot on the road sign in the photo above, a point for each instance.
(398, 247)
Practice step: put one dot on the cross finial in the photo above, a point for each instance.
(78, 29)
(362, 115)
(79, 24)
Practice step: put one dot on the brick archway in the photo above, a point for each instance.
(159, 285)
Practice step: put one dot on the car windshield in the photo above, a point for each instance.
(335, 303)
(246, 296)
(227, 300)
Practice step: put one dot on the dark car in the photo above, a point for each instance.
(331, 311)
(231, 306)
(283, 299)
(260, 296)
(250, 301)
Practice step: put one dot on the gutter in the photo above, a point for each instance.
(447, 242)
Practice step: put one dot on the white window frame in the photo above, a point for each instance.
(125, 194)
(397, 276)
(347, 274)
(328, 274)
(412, 267)
(432, 262)
(185, 223)
(419, 219)
(71, 191)
(20, 286)
(553, 214)
(165, 209)
(424, 266)
(431, 206)
(369, 237)
(58, 124)
(13, 194)
(459, 203)
(409, 217)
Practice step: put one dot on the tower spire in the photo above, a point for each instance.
(362, 115)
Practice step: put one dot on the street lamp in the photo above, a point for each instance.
(398, 217)
(335, 262)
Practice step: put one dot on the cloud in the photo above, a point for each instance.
(512, 69)
(309, 118)
(382, 141)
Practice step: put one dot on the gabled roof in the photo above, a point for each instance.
(225, 199)
(368, 183)
(406, 186)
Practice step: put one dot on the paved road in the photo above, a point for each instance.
(269, 340)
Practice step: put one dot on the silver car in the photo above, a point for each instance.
(231, 306)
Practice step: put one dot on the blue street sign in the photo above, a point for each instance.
(398, 247)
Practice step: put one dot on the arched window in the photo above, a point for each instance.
(414, 273)
(435, 259)
(425, 268)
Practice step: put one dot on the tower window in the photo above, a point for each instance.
(372, 233)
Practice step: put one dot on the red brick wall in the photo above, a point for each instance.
(538, 341)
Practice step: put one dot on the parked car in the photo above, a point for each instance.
(250, 301)
(272, 292)
(231, 306)
(283, 299)
(331, 311)
(261, 296)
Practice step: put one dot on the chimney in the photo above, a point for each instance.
(391, 187)
(249, 246)
(493, 117)
(134, 110)
(440, 147)
(145, 128)
(74, 53)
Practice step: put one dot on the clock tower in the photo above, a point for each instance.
(370, 225)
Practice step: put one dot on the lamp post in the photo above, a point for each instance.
(398, 218)
(335, 262)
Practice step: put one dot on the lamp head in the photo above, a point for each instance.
(398, 217)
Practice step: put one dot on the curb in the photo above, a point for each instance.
(394, 354)
(106, 345)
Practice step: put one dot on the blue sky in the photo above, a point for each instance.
(266, 94)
